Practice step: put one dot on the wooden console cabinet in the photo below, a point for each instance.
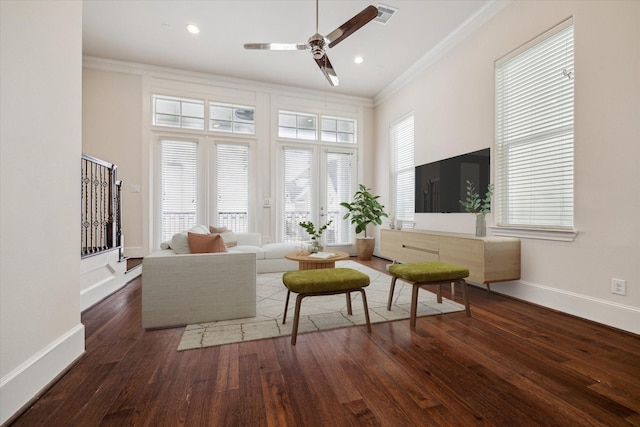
(489, 259)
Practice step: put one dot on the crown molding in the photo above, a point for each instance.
(464, 30)
(154, 71)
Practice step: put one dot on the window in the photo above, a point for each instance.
(231, 118)
(297, 125)
(178, 112)
(232, 183)
(534, 133)
(179, 186)
(335, 129)
(402, 169)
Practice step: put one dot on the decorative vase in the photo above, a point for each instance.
(315, 247)
(481, 225)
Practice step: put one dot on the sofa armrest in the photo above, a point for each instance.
(197, 288)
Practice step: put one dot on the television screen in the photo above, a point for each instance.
(441, 185)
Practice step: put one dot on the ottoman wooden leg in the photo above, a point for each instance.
(296, 319)
(465, 296)
(286, 306)
(414, 305)
(391, 289)
(366, 309)
(349, 309)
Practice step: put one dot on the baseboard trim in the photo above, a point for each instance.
(22, 386)
(608, 313)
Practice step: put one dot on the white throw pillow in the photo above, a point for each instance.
(230, 239)
(200, 229)
(180, 243)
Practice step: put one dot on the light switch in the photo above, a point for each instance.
(135, 188)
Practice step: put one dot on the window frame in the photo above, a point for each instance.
(393, 144)
(535, 230)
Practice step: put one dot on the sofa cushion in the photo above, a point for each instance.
(277, 250)
(205, 243)
(260, 253)
(180, 243)
(217, 230)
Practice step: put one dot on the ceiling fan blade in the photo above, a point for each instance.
(276, 46)
(352, 25)
(327, 70)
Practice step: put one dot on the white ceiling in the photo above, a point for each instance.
(154, 32)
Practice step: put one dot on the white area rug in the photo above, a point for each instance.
(316, 313)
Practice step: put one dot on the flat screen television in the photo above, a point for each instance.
(441, 185)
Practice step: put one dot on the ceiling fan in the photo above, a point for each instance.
(317, 43)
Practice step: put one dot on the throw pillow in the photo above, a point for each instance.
(230, 239)
(217, 230)
(180, 243)
(205, 243)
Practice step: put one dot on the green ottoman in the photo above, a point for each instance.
(326, 281)
(421, 274)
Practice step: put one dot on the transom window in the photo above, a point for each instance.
(178, 112)
(232, 118)
(335, 129)
(297, 125)
(304, 126)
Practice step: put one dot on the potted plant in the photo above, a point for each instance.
(315, 234)
(364, 210)
(478, 206)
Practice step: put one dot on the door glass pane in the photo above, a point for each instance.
(339, 186)
(297, 192)
(179, 185)
(232, 169)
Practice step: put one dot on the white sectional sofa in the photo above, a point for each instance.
(180, 288)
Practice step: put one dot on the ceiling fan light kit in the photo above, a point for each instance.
(318, 43)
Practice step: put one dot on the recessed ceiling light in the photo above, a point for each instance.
(193, 29)
(358, 59)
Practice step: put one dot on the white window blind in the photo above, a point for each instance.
(179, 183)
(339, 181)
(232, 182)
(297, 192)
(534, 133)
(403, 172)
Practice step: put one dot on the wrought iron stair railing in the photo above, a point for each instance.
(101, 216)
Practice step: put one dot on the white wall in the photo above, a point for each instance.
(40, 134)
(453, 102)
(111, 131)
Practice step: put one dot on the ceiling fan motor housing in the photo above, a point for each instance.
(317, 43)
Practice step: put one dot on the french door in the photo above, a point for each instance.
(314, 181)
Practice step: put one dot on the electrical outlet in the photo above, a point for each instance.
(618, 286)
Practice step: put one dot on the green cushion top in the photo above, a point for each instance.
(428, 271)
(324, 280)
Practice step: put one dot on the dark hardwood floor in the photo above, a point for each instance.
(510, 364)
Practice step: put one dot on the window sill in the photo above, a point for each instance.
(535, 233)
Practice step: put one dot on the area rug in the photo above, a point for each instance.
(316, 313)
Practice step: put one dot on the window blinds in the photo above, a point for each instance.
(402, 143)
(339, 189)
(297, 192)
(179, 182)
(232, 187)
(534, 133)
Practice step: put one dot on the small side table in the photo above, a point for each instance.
(305, 262)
